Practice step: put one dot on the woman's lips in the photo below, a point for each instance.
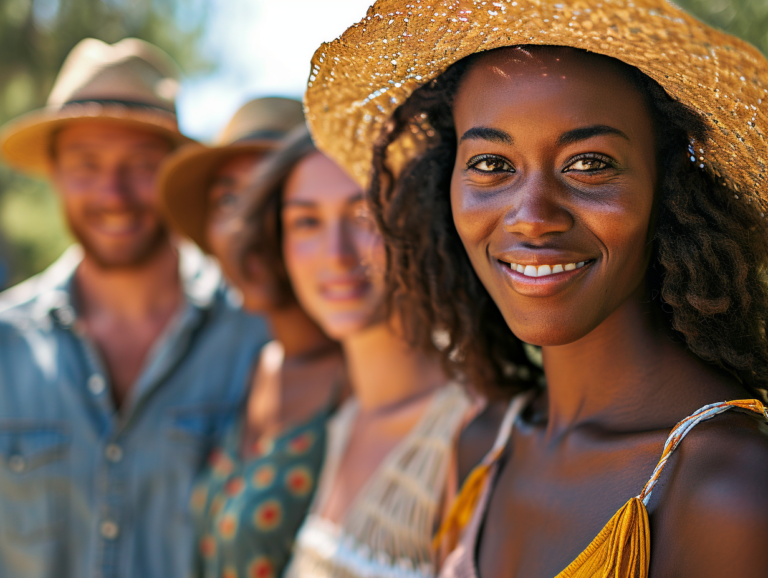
(543, 280)
(344, 290)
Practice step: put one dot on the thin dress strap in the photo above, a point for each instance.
(468, 508)
(681, 430)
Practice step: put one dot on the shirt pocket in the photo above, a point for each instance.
(34, 479)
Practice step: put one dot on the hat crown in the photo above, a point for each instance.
(263, 118)
(129, 71)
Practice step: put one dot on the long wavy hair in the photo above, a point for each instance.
(260, 224)
(706, 273)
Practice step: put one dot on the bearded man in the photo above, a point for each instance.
(123, 362)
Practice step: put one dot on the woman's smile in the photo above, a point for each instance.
(543, 280)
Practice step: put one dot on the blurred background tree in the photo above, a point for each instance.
(747, 19)
(35, 38)
(36, 35)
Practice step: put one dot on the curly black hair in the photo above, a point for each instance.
(706, 273)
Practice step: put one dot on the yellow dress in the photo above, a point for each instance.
(621, 550)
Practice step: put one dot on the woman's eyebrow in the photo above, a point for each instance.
(486, 133)
(299, 203)
(578, 134)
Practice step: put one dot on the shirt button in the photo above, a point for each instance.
(17, 464)
(114, 453)
(109, 530)
(96, 384)
(66, 315)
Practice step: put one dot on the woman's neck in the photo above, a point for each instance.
(383, 369)
(297, 333)
(628, 374)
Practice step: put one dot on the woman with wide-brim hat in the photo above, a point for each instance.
(266, 466)
(589, 177)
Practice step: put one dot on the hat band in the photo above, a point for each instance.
(116, 102)
(261, 135)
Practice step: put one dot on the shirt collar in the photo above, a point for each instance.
(200, 277)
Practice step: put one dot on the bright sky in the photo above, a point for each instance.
(262, 48)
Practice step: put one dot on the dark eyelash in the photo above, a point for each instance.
(593, 157)
(484, 157)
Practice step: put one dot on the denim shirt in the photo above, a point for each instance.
(87, 491)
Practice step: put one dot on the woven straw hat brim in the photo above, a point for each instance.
(357, 81)
(185, 178)
(25, 142)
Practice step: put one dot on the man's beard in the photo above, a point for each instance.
(133, 257)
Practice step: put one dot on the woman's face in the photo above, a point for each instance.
(553, 187)
(333, 251)
(259, 289)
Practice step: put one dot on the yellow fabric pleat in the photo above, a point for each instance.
(464, 505)
(621, 550)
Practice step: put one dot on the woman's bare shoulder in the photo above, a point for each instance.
(711, 518)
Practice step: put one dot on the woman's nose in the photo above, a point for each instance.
(536, 209)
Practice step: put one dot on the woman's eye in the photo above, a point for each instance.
(226, 201)
(588, 165)
(304, 223)
(490, 164)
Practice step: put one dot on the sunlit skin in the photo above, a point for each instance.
(128, 286)
(334, 253)
(105, 174)
(555, 165)
(336, 262)
(287, 393)
(227, 187)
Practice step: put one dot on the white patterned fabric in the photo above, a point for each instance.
(387, 532)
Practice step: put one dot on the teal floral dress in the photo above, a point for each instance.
(248, 511)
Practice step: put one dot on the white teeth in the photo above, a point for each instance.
(544, 270)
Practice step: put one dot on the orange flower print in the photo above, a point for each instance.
(221, 464)
(199, 498)
(217, 505)
(301, 444)
(299, 481)
(262, 447)
(227, 526)
(263, 477)
(234, 487)
(268, 515)
(229, 572)
(208, 546)
(261, 567)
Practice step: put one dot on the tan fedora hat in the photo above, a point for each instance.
(131, 82)
(259, 126)
(358, 80)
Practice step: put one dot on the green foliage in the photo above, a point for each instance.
(747, 19)
(35, 38)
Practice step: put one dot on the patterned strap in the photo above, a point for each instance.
(685, 426)
(464, 505)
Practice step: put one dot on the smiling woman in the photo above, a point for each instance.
(538, 192)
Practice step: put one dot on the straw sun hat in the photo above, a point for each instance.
(357, 81)
(131, 82)
(259, 126)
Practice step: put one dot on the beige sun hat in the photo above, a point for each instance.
(259, 126)
(131, 82)
(357, 81)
